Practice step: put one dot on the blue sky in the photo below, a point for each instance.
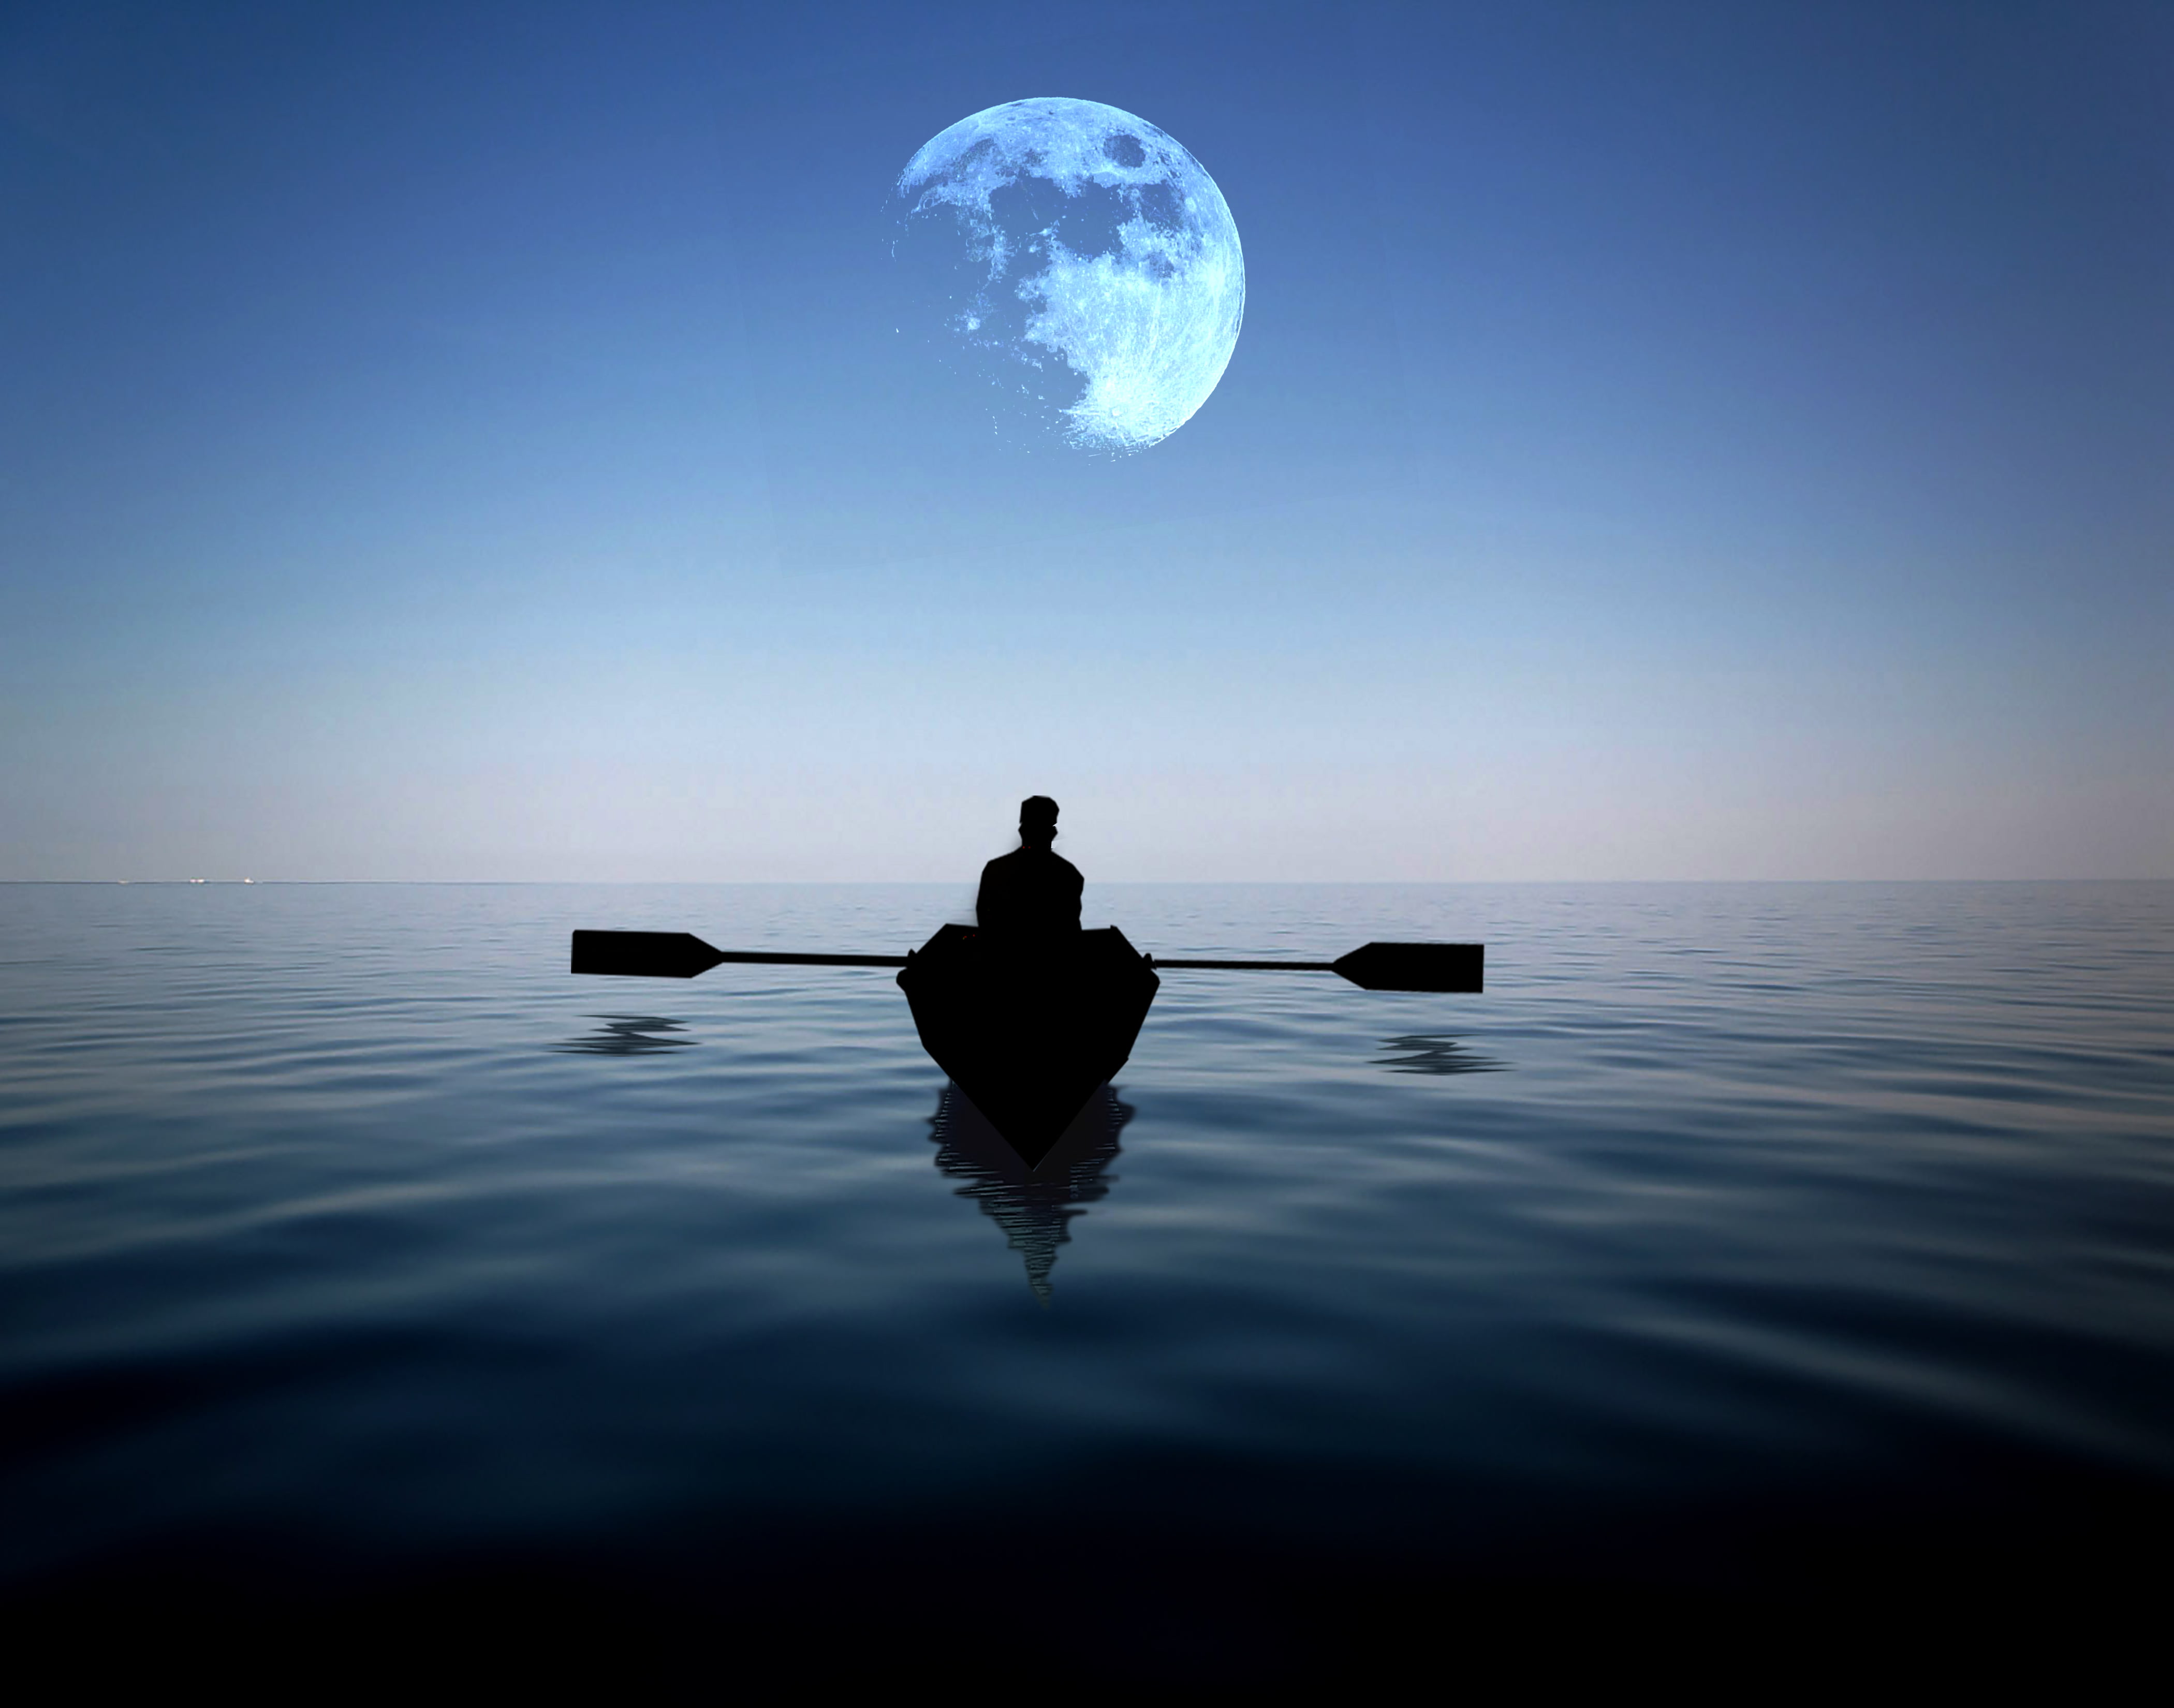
(1698, 441)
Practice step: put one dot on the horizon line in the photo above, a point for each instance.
(945, 883)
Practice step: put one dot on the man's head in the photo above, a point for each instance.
(1037, 821)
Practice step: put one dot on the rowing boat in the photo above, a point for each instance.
(1028, 1029)
(1029, 1033)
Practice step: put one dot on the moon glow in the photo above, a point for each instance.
(1082, 262)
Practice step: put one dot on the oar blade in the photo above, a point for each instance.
(643, 955)
(1416, 966)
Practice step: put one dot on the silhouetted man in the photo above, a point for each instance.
(1033, 893)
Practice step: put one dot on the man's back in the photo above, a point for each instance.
(1029, 893)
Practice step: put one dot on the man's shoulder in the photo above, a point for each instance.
(1029, 863)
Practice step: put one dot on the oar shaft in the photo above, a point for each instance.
(761, 958)
(1239, 966)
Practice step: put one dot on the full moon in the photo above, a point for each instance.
(1081, 261)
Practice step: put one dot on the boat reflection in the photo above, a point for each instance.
(627, 1035)
(1032, 1205)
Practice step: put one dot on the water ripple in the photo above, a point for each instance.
(343, 1210)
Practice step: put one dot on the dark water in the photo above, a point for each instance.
(1743, 1246)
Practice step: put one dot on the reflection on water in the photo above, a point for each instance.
(626, 1035)
(1032, 1205)
(1814, 1254)
(1427, 1053)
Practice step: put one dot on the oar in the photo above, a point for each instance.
(1377, 966)
(680, 954)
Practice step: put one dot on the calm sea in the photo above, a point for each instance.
(1742, 1248)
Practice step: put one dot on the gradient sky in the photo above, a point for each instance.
(1666, 441)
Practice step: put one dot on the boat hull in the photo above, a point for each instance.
(1029, 1036)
